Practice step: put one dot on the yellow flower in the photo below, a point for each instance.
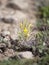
(28, 34)
(30, 25)
(25, 30)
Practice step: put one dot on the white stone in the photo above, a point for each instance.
(21, 3)
(4, 33)
(26, 55)
(44, 43)
(9, 53)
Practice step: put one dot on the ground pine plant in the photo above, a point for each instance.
(24, 30)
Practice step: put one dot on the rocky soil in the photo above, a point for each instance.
(11, 13)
